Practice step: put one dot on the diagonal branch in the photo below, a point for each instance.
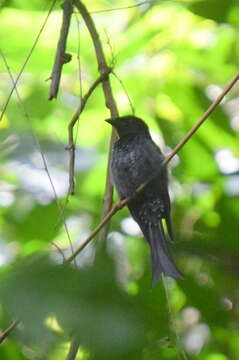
(61, 57)
(7, 331)
(120, 204)
(211, 108)
(73, 350)
(147, 2)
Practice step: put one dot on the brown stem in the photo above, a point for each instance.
(61, 57)
(104, 221)
(109, 101)
(120, 204)
(71, 144)
(203, 118)
(108, 193)
(7, 332)
(74, 347)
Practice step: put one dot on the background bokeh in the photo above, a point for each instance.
(173, 58)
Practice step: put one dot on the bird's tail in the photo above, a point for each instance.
(162, 261)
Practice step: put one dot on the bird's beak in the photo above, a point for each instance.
(111, 121)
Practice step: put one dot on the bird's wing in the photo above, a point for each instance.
(161, 181)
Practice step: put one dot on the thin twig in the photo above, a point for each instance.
(71, 189)
(104, 221)
(108, 193)
(71, 143)
(203, 118)
(38, 145)
(59, 250)
(126, 92)
(78, 54)
(121, 8)
(109, 102)
(74, 347)
(79, 68)
(109, 43)
(120, 204)
(6, 333)
(102, 64)
(27, 59)
(61, 57)
(172, 318)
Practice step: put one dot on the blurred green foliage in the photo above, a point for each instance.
(173, 58)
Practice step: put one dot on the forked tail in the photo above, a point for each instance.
(162, 261)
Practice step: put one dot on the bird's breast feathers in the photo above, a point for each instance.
(133, 163)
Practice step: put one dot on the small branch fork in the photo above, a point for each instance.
(109, 102)
(104, 71)
(204, 117)
(120, 204)
(71, 144)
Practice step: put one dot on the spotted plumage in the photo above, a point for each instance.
(136, 160)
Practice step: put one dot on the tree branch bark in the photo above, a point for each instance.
(109, 102)
(61, 57)
(73, 350)
(7, 332)
(71, 143)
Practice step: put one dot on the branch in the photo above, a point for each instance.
(120, 204)
(211, 108)
(108, 193)
(125, 90)
(38, 145)
(109, 102)
(61, 57)
(102, 64)
(27, 59)
(75, 343)
(122, 8)
(7, 332)
(71, 144)
(104, 221)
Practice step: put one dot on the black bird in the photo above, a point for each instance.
(137, 160)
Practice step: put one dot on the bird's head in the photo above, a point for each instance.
(128, 125)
